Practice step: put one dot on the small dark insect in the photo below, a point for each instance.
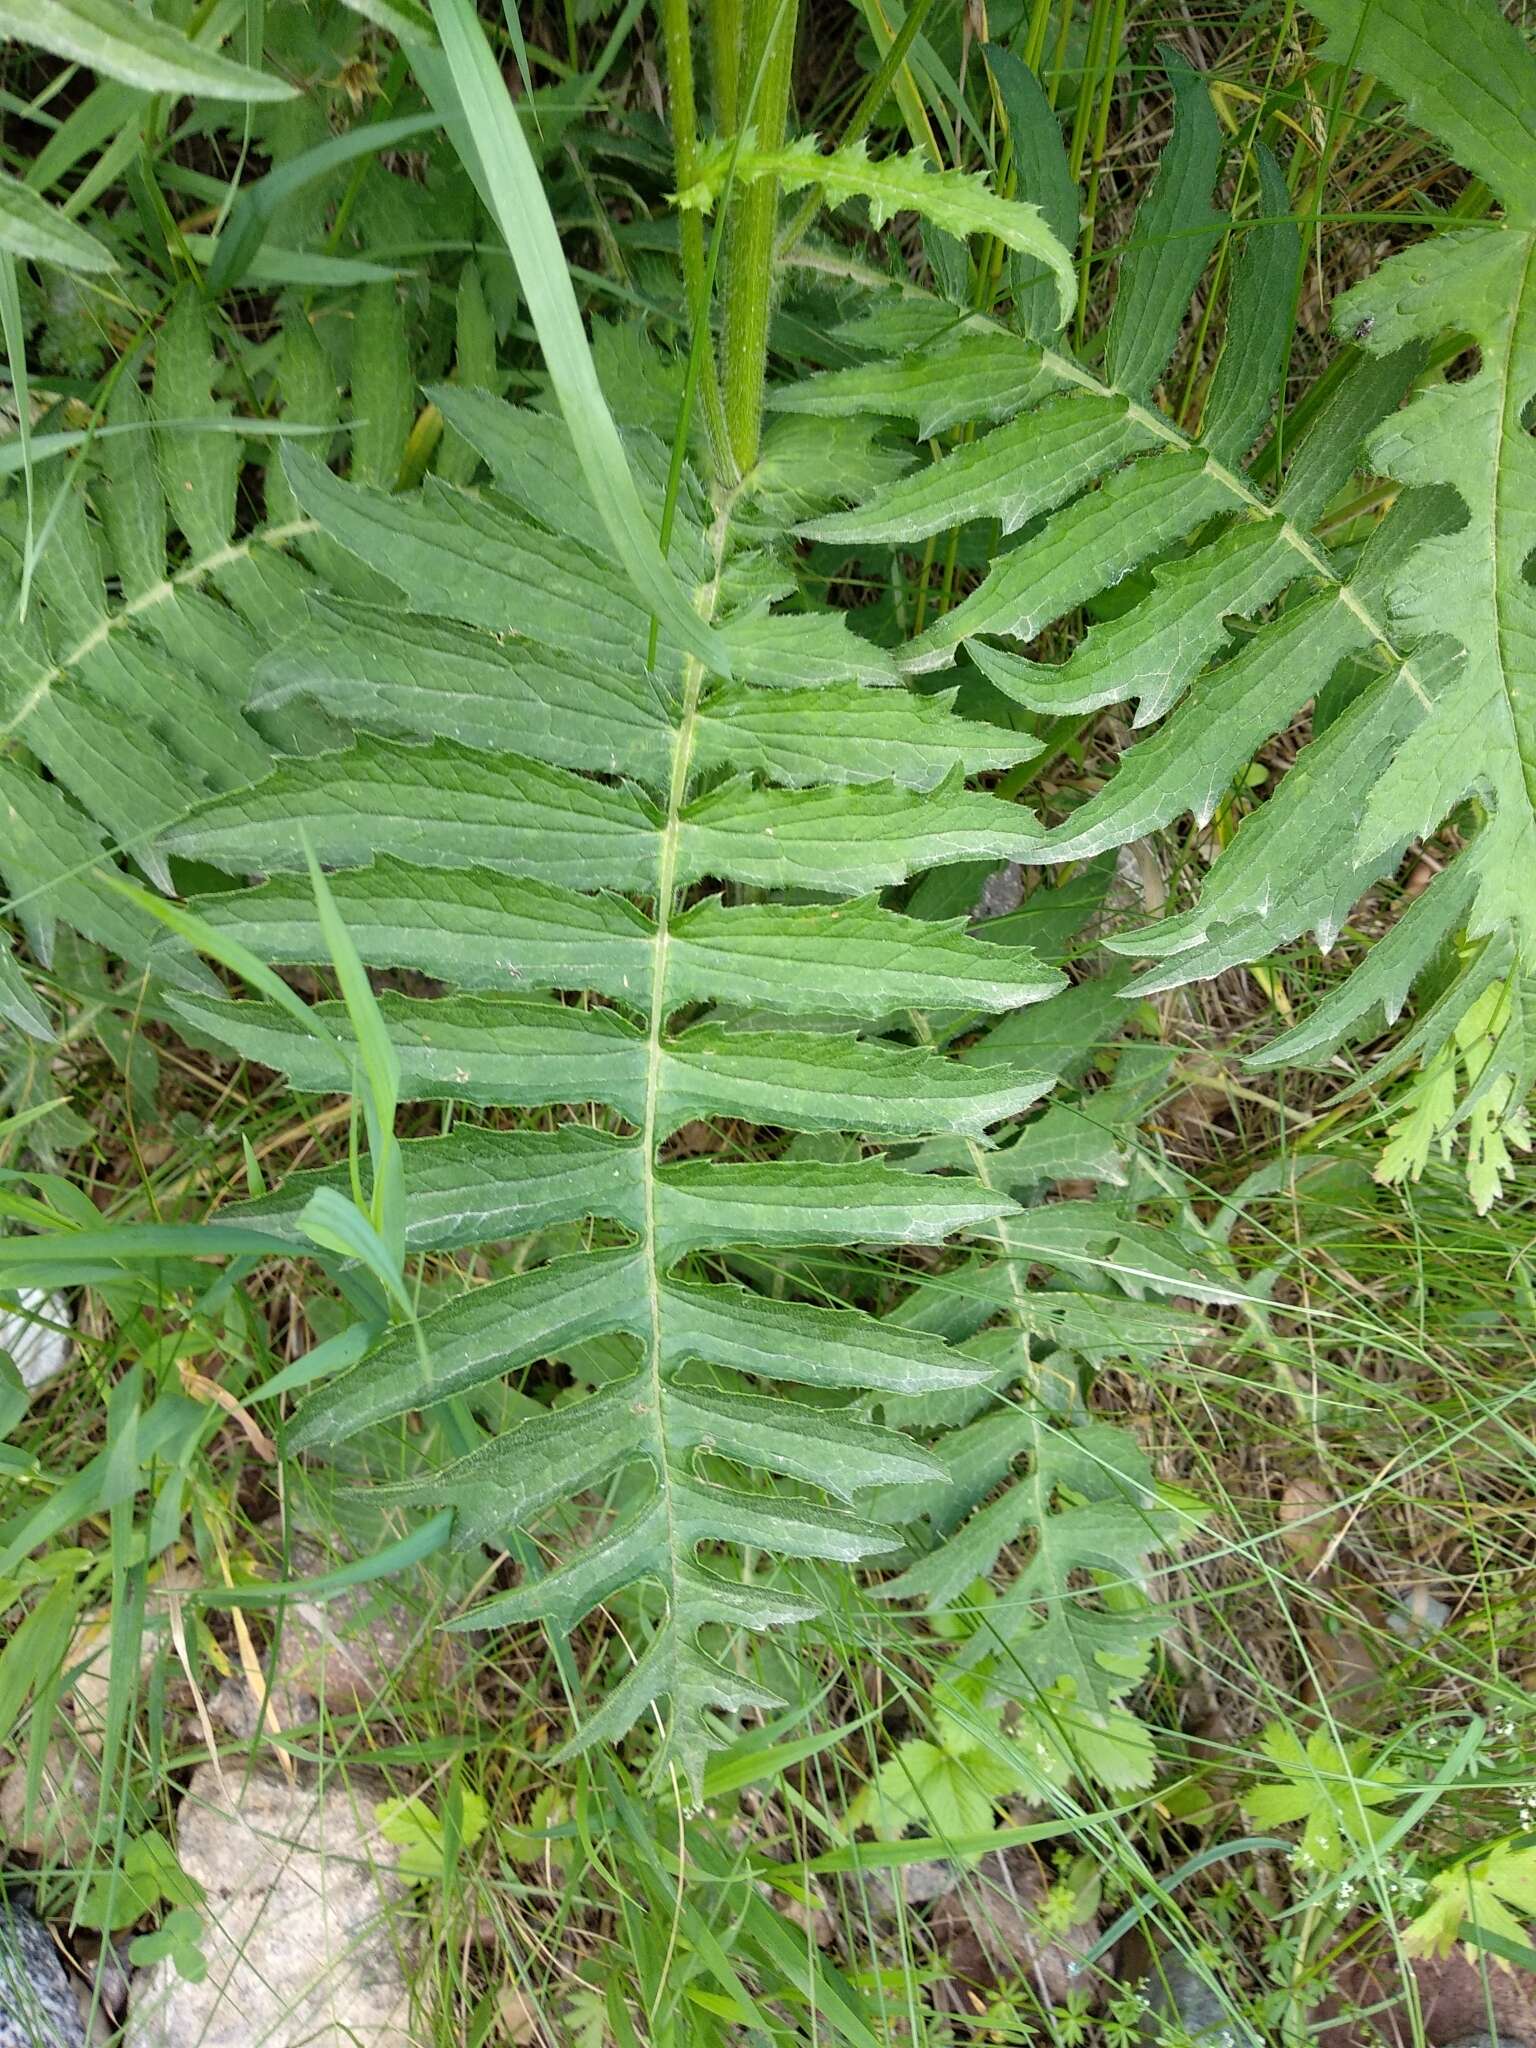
(1364, 330)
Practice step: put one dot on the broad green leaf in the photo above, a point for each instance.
(852, 958)
(1042, 172)
(438, 806)
(1464, 72)
(491, 1049)
(1151, 653)
(1253, 357)
(49, 859)
(477, 1186)
(1138, 512)
(488, 1332)
(1190, 761)
(647, 889)
(18, 1005)
(200, 473)
(377, 670)
(1170, 240)
(466, 557)
(31, 228)
(470, 926)
(476, 929)
(1013, 474)
(847, 733)
(848, 840)
(128, 494)
(818, 1347)
(1242, 915)
(1336, 1792)
(977, 376)
(121, 42)
(383, 389)
(533, 462)
(1480, 1891)
(805, 1203)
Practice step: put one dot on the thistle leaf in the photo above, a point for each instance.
(960, 202)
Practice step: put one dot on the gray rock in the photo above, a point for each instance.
(38, 2009)
(1178, 1994)
(40, 1353)
(344, 1653)
(1000, 893)
(307, 1928)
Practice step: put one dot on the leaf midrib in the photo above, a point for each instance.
(683, 742)
(189, 575)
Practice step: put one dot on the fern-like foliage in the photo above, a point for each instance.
(1415, 653)
(134, 701)
(502, 706)
(1064, 1287)
(528, 813)
(630, 853)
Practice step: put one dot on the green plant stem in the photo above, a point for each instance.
(678, 39)
(723, 20)
(769, 55)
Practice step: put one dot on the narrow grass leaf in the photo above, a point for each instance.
(522, 213)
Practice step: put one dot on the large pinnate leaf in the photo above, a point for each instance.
(1418, 657)
(646, 890)
(516, 883)
(637, 837)
(1460, 599)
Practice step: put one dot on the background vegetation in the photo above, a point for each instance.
(1308, 1337)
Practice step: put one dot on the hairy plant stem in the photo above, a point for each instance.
(678, 39)
(767, 60)
(723, 23)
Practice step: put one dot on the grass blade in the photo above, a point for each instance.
(516, 196)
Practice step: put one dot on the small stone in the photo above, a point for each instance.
(38, 1348)
(343, 1653)
(306, 1926)
(1176, 1991)
(38, 2007)
(1000, 893)
(60, 1825)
